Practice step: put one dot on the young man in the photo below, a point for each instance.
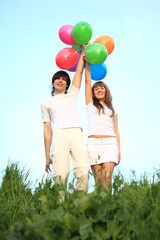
(60, 110)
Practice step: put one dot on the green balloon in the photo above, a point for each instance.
(82, 33)
(77, 47)
(96, 53)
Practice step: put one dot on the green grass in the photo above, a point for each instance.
(131, 211)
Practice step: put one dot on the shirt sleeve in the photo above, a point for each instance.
(45, 113)
(90, 103)
(115, 111)
(73, 91)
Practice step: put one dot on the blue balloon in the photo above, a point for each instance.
(98, 72)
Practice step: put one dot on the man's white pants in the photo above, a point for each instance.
(70, 141)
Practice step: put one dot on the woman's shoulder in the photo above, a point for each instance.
(90, 104)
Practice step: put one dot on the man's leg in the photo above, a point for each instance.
(80, 158)
(60, 149)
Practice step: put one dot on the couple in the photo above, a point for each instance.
(103, 151)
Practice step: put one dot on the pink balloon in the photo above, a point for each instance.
(66, 58)
(65, 34)
(73, 69)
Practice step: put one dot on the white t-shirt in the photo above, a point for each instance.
(61, 110)
(100, 124)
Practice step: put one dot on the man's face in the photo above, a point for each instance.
(60, 85)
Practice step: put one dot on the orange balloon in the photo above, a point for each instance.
(107, 41)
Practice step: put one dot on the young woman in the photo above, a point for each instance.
(103, 139)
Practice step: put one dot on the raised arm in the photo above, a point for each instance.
(47, 142)
(79, 70)
(88, 85)
(117, 135)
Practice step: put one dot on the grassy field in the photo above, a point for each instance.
(132, 211)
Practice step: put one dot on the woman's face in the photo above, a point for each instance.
(99, 92)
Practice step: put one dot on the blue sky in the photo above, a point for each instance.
(29, 43)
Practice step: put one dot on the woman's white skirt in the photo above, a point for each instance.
(102, 150)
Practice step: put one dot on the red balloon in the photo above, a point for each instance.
(66, 58)
(73, 69)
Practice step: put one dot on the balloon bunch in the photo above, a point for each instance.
(95, 54)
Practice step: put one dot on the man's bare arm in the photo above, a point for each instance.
(79, 70)
(47, 142)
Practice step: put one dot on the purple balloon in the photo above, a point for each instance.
(73, 69)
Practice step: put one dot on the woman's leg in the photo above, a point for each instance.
(97, 172)
(107, 172)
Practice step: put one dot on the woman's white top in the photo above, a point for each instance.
(61, 110)
(100, 124)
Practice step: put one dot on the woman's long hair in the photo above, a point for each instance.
(57, 75)
(107, 101)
